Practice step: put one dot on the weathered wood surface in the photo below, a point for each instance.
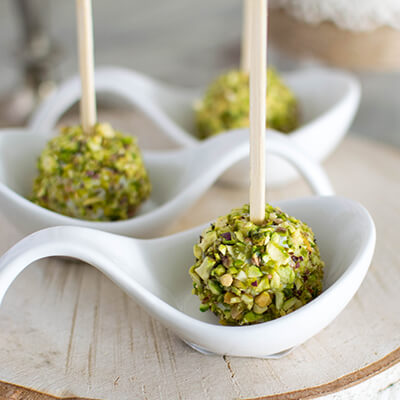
(67, 330)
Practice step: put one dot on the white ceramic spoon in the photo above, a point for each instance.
(179, 178)
(328, 100)
(155, 274)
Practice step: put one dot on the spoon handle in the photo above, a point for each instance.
(216, 155)
(134, 88)
(95, 247)
(50, 110)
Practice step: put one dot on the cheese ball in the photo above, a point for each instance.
(246, 273)
(97, 176)
(225, 105)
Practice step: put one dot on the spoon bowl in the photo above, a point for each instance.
(155, 274)
(328, 101)
(179, 178)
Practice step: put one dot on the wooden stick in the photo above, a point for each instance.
(86, 64)
(258, 87)
(246, 36)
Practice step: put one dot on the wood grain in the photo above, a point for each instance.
(258, 88)
(14, 392)
(66, 330)
(9, 391)
(86, 63)
(342, 383)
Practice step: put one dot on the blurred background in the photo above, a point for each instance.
(187, 43)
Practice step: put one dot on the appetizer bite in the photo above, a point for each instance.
(226, 106)
(247, 273)
(96, 176)
(257, 263)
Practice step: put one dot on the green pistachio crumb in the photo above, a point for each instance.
(274, 268)
(225, 105)
(97, 176)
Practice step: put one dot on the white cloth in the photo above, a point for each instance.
(358, 15)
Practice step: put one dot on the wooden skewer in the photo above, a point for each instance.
(258, 87)
(246, 36)
(86, 64)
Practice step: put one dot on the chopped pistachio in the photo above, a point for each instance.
(241, 276)
(219, 271)
(263, 299)
(247, 299)
(238, 284)
(204, 307)
(238, 263)
(237, 311)
(279, 297)
(288, 304)
(226, 280)
(233, 270)
(97, 176)
(254, 272)
(197, 251)
(205, 268)
(225, 105)
(228, 297)
(251, 317)
(287, 277)
(259, 310)
(214, 287)
(277, 253)
(207, 239)
(222, 249)
(275, 281)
